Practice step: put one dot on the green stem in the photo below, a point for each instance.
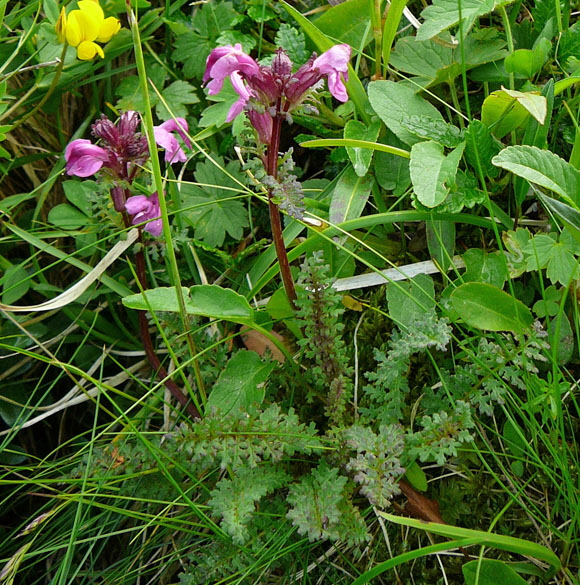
(158, 182)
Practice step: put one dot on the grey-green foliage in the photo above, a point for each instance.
(320, 309)
(376, 466)
(389, 383)
(441, 434)
(234, 499)
(321, 508)
(244, 440)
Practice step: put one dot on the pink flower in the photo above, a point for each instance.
(333, 63)
(83, 158)
(222, 62)
(146, 209)
(242, 91)
(166, 139)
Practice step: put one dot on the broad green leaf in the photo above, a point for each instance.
(543, 168)
(426, 128)
(207, 300)
(394, 103)
(392, 172)
(347, 22)
(534, 103)
(350, 196)
(15, 284)
(490, 572)
(79, 194)
(213, 208)
(241, 384)
(416, 477)
(558, 258)
(410, 300)
(502, 113)
(444, 14)
(192, 50)
(432, 171)
(569, 43)
(489, 308)
(216, 114)
(359, 157)
(527, 62)
(67, 217)
(261, 12)
(488, 267)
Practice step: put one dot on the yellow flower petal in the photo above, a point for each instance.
(109, 28)
(92, 9)
(87, 50)
(60, 26)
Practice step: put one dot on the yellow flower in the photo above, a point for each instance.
(82, 27)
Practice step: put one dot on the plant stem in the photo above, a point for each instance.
(275, 219)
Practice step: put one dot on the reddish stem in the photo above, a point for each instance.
(275, 219)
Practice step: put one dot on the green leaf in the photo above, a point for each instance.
(176, 96)
(192, 50)
(557, 257)
(213, 212)
(416, 477)
(394, 103)
(443, 14)
(441, 242)
(535, 104)
(543, 168)
(426, 128)
(240, 385)
(207, 300)
(129, 90)
(293, 42)
(561, 337)
(79, 193)
(480, 148)
(489, 308)
(346, 22)
(410, 300)
(261, 12)
(502, 113)
(490, 572)
(212, 18)
(432, 172)
(360, 157)
(569, 44)
(350, 196)
(527, 62)
(15, 284)
(67, 217)
(570, 216)
(392, 172)
(216, 114)
(488, 267)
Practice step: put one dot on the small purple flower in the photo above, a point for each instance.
(144, 208)
(83, 158)
(166, 139)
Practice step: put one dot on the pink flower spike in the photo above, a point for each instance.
(165, 138)
(332, 63)
(144, 208)
(83, 158)
(242, 91)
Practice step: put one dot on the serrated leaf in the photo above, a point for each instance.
(240, 384)
(212, 212)
(211, 18)
(569, 44)
(359, 157)
(432, 171)
(489, 308)
(543, 168)
(293, 42)
(444, 14)
(176, 96)
(129, 90)
(350, 196)
(394, 102)
(192, 50)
